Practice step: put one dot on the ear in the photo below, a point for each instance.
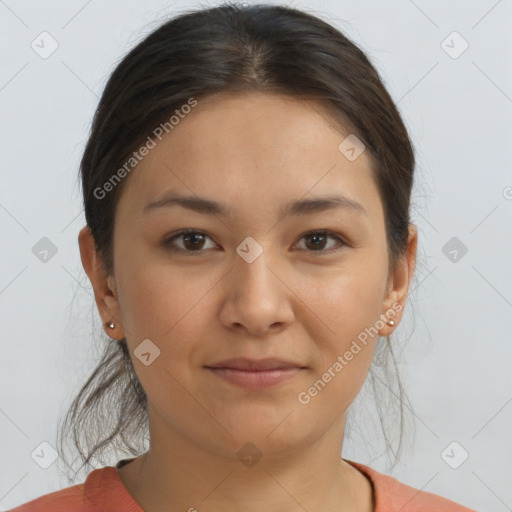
(104, 288)
(400, 280)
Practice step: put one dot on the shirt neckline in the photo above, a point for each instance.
(118, 484)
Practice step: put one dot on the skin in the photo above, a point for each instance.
(252, 152)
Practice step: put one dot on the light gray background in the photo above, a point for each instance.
(457, 343)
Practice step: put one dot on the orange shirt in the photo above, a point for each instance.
(103, 491)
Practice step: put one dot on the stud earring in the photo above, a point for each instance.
(391, 322)
(110, 325)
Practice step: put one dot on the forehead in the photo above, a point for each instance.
(257, 148)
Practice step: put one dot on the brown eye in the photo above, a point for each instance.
(192, 241)
(316, 241)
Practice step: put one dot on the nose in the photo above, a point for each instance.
(256, 298)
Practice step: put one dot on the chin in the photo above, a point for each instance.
(274, 435)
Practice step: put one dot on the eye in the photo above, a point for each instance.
(194, 240)
(317, 240)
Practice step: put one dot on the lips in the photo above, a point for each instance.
(246, 364)
(255, 374)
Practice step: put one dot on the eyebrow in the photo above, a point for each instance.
(300, 207)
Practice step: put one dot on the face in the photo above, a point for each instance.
(251, 281)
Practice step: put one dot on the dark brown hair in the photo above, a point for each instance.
(228, 48)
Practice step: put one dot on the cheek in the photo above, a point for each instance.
(166, 305)
(347, 302)
(349, 306)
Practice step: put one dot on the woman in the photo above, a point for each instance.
(246, 187)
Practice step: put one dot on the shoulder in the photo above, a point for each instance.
(99, 491)
(391, 494)
(69, 499)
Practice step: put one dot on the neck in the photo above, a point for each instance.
(176, 474)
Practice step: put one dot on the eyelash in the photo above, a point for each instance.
(325, 232)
